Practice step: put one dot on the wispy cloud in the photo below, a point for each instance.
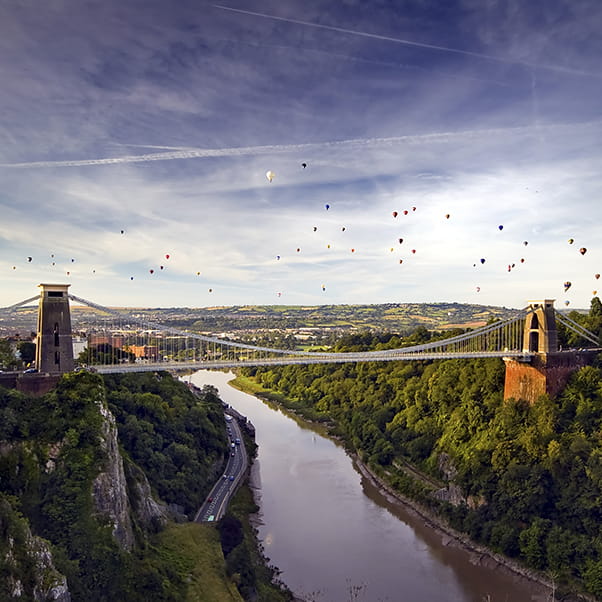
(405, 42)
(200, 153)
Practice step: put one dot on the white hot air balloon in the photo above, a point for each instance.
(270, 175)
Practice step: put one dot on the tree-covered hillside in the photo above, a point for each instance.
(525, 480)
(60, 474)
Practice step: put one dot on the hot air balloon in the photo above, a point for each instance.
(353, 250)
(210, 290)
(167, 256)
(401, 261)
(526, 242)
(583, 250)
(522, 260)
(391, 249)
(567, 302)
(303, 165)
(594, 293)
(328, 246)
(571, 241)
(198, 273)
(413, 250)
(160, 267)
(131, 277)
(478, 289)
(405, 211)
(323, 287)
(315, 228)
(500, 227)
(400, 240)
(123, 231)
(30, 259)
(278, 257)
(327, 207)
(298, 250)
(72, 260)
(279, 294)
(413, 208)
(596, 276)
(482, 260)
(447, 216)
(270, 175)
(395, 214)
(343, 229)
(152, 271)
(567, 285)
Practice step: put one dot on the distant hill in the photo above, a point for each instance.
(391, 317)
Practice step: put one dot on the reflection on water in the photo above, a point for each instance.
(329, 529)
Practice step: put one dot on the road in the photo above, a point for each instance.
(214, 507)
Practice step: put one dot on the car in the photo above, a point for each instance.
(209, 499)
(30, 371)
(231, 478)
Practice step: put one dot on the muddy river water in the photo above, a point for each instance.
(337, 538)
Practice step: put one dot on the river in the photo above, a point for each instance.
(336, 538)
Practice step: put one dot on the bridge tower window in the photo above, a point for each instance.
(56, 334)
(534, 342)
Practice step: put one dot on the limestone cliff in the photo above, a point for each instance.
(148, 513)
(26, 562)
(109, 487)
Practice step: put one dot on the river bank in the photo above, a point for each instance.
(480, 555)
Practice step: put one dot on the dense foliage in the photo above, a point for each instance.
(177, 438)
(50, 456)
(530, 475)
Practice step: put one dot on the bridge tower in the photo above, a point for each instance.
(54, 345)
(549, 369)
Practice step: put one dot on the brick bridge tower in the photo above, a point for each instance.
(54, 345)
(549, 369)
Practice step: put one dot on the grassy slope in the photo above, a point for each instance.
(195, 552)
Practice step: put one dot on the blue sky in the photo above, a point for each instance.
(161, 119)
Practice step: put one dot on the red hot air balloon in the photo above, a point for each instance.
(583, 250)
(395, 214)
(167, 256)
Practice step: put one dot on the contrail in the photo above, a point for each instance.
(375, 36)
(201, 153)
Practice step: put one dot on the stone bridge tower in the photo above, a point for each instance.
(54, 345)
(549, 369)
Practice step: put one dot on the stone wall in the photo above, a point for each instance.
(546, 374)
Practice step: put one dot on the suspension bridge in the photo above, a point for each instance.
(120, 341)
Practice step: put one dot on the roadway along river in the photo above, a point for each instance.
(329, 530)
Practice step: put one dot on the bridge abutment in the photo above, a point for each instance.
(549, 369)
(546, 374)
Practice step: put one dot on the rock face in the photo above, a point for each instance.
(452, 493)
(149, 514)
(27, 566)
(110, 489)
